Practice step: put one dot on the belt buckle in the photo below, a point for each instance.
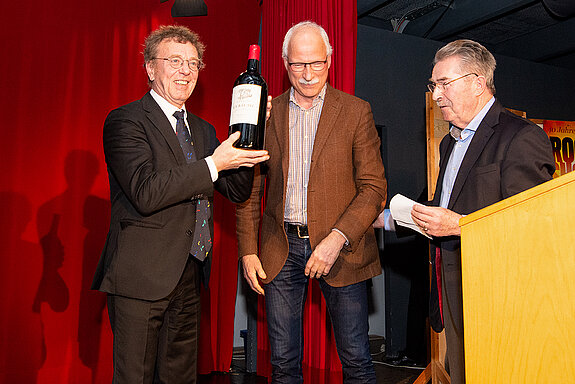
(300, 235)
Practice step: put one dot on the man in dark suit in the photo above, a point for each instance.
(325, 186)
(489, 155)
(163, 164)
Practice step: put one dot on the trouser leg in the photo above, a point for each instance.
(348, 312)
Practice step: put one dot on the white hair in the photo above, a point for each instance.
(305, 24)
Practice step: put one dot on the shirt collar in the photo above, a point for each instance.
(318, 99)
(461, 134)
(166, 106)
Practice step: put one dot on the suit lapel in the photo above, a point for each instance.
(443, 159)
(198, 137)
(480, 139)
(327, 123)
(281, 131)
(159, 120)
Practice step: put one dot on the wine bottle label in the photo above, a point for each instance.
(245, 104)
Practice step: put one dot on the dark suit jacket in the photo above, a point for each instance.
(153, 192)
(507, 155)
(346, 189)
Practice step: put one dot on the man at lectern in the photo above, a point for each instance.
(490, 154)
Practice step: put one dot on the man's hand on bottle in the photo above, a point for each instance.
(226, 156)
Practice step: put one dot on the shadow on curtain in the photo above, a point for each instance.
(66, 65)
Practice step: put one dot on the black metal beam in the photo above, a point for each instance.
(463, 15)
(366, 7)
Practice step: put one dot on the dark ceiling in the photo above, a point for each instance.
(541, 31)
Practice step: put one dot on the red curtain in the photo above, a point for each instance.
(65, 65)
(339, 19)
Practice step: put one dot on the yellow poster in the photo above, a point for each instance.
(562, 136)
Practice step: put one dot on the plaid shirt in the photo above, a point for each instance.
(302, 128)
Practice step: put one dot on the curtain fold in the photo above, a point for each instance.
(339, 18)
(66, 66)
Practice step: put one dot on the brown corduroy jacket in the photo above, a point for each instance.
(346, 189)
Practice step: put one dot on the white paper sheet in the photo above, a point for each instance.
(400, 207)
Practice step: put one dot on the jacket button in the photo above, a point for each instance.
(189, 232)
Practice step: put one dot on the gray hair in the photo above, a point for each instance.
(301, 25)
(176, 33)
(474, 58)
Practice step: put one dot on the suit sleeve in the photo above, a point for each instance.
(248, 215)
(236, 184)
(145, 168)
(370, 181)
(528, 162)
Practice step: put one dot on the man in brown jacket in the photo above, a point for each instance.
(325, 186)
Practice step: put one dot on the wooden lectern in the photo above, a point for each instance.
(518, 270)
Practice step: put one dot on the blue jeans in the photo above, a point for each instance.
(285, 299)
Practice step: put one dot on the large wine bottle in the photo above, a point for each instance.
(249, 101)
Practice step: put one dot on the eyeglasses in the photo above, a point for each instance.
(177, 62)
(314, 66)
(442, 86)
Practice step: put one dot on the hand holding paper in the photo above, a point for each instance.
(436, 221)
(400, 207)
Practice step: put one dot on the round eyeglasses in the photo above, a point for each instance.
(177, 62)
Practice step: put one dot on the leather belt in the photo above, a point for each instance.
(298, 230)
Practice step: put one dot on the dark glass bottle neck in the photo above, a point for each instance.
(253, 65)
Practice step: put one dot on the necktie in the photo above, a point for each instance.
(438, 276)
(202, 242)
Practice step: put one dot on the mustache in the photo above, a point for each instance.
(306, 82)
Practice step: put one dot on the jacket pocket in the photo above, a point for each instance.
(125, 223)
